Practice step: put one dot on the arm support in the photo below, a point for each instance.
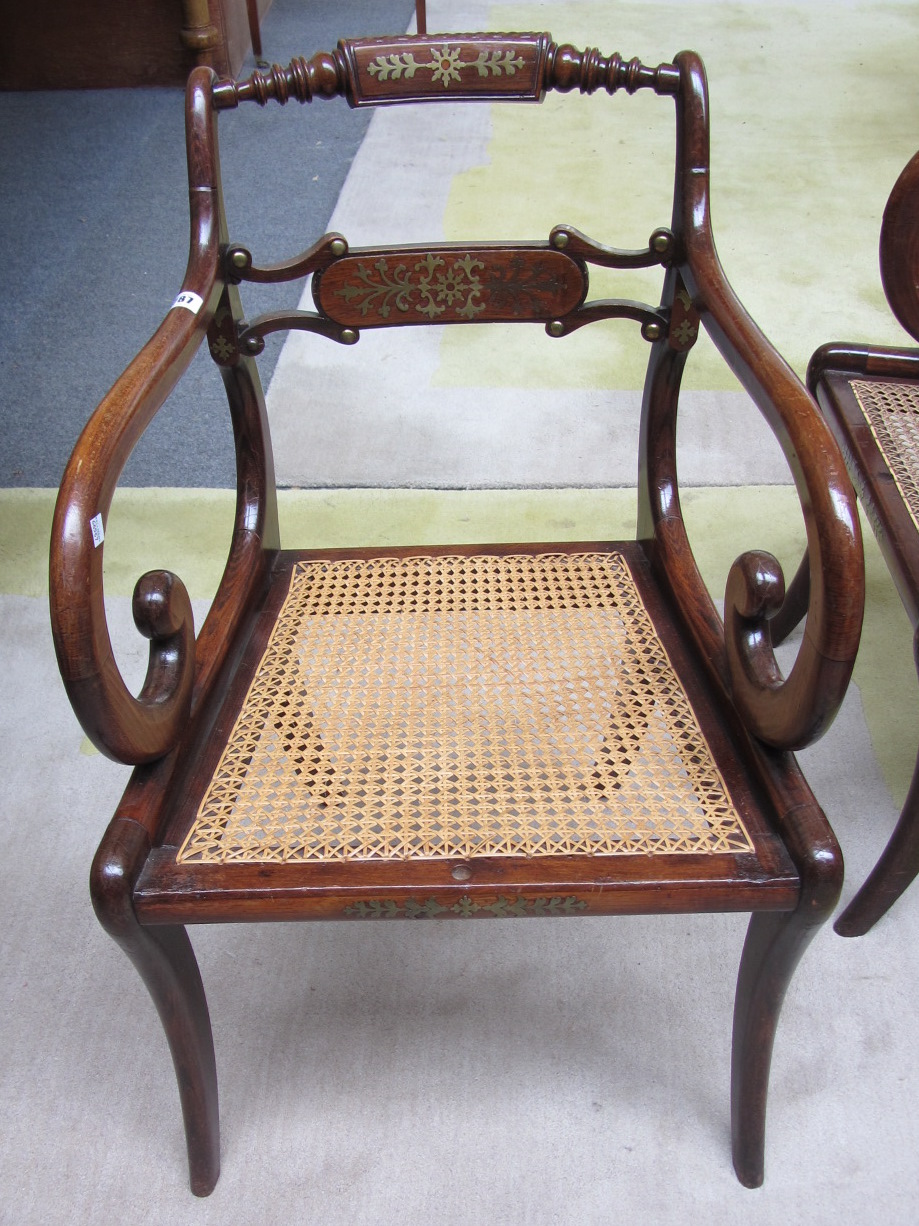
(785, 712)
(126, 728)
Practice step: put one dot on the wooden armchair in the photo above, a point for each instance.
(508, 731)
(870, 395)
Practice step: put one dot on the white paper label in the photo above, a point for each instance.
(95, 527)
(188, 300)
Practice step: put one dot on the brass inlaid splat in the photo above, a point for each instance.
(450, 285)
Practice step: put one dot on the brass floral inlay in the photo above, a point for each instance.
(429, 288)
(445, 65)
(430, 908)
(684, 322)
(685, 332)
(221, 348)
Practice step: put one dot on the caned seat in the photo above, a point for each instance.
(891, 410)
(517, 705)
(415, 716)
(870, 396)
(505, 731)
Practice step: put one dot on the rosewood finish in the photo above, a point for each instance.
(447, 68)
(450, 285)
(858, 387)
(529, 751)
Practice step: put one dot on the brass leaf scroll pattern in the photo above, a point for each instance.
(430, 908)
(431, 288)
(445, 65)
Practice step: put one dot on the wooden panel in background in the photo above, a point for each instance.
(59, 44)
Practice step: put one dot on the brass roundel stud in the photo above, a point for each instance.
(338, 246)
(240, 258)
(660, 241)
(561, 239)
(556, 328)
(461, 872)
(253, 345)
(651, 330)
(348, 336)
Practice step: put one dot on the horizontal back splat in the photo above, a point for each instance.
(450, 285)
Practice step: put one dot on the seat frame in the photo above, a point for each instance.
(756, 715)
(831, 372)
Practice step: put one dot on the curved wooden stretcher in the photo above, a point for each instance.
(505, 731)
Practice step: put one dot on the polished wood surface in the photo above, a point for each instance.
(831, 372)
(899, 255)
(752, 717)
(57, 44)
(481, 67)
(450, 284)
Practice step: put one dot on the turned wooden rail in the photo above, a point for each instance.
(449, 68)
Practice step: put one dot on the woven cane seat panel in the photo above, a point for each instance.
(430, 707)
(892, 412)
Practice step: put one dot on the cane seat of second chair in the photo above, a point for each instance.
(870, 396)
(444, 733)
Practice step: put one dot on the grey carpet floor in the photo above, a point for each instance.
(93, 224)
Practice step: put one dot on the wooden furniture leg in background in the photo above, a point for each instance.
(896, 869)
(254, 32)
(199, 34)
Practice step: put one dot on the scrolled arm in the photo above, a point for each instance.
(124, 727)
(127, 728)
(162, 613)
(787, 712)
